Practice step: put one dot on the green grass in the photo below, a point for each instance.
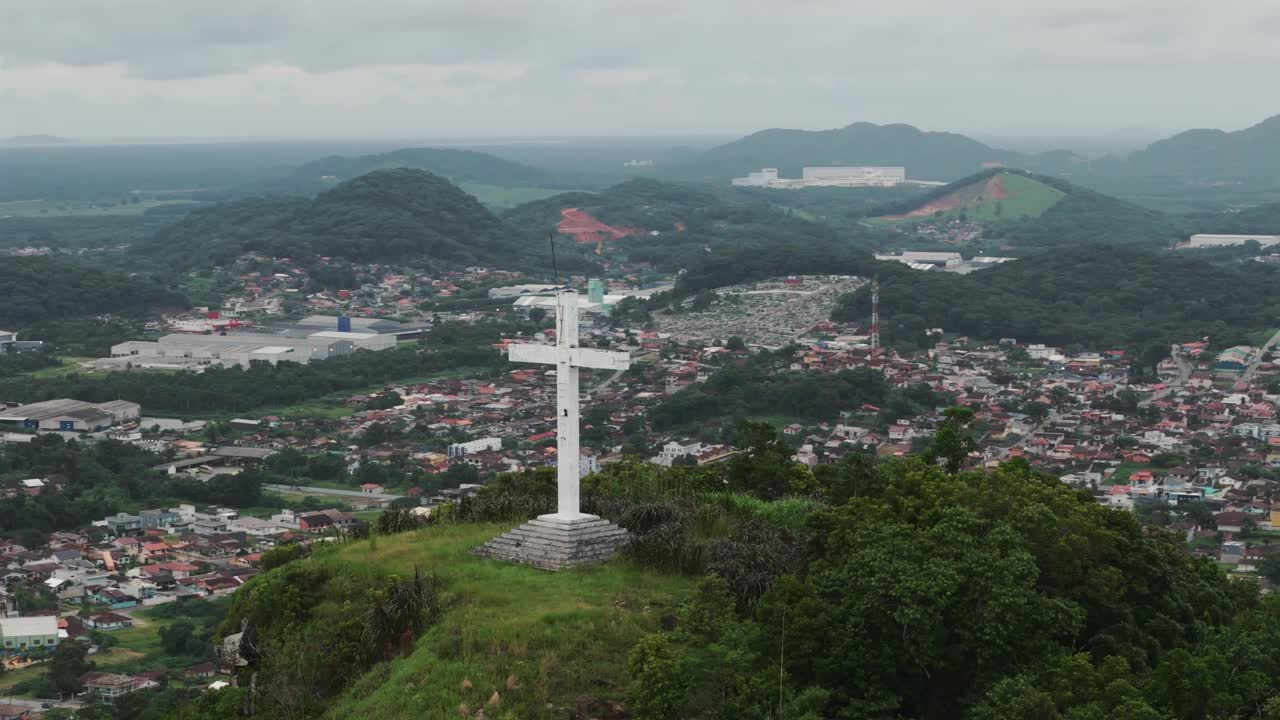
(80, 208)
(1028, 198)
(1122, 473)
(504, 198)
(138, 645)
(559, 634)
(10, 678)
(69, 366)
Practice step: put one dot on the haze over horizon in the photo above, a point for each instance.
(477, 68)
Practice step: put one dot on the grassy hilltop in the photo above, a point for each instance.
(563, 637)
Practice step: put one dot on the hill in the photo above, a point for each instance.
(925, 155)
(899, 589)
(993, 196)
(400, 215)
(1205, 155)
(683, 227)
(493, 180)
(1093, 296)
(1020, 209)
(41, 290)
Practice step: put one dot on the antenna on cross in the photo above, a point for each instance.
(555, 271)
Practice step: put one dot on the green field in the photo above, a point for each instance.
(78, 208)
(1027, 198)
(504, 198)
(69, 366)
(136, 649)
(556, 633)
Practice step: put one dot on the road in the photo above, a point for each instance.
(607, 382)
(1257, 359)
(309, 490)
(1185, 367)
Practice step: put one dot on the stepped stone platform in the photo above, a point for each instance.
(553, 542)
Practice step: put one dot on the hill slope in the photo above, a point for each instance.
(1209, 155)
(994, 196)
(677, 227)
(925, 155)
(400, 215)
(1023, 209)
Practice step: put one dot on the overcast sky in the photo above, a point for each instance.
(435, 68)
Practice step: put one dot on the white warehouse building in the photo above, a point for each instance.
(180, 351)
(854, 175)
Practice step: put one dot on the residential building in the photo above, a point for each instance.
(25, 634)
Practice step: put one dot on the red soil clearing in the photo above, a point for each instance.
(991, 190)
(586, 229)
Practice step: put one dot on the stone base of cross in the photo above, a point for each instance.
(567, 358)
(568, 537)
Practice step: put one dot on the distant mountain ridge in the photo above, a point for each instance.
(926, 155)
(35, 140)
(1205, 154)
(456, 165)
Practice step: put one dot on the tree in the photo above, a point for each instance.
(953, 442)
(1269, 568)
(736, 343)
(766, 468)
(180, 639)
(66, 666)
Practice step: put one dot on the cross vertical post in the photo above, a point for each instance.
(567, 454)
(568, 359)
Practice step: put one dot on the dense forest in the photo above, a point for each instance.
(868, 590)
(400, 215)
(760, 386)
(98, 479)
(43, 289)
(1096, 296)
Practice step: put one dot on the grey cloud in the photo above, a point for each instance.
(539, 66)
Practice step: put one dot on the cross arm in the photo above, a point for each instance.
(601, 359)
(578, 357)
(533, 353)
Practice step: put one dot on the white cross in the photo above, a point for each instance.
(568, 357)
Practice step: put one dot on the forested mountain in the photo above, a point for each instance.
(1094, 296)
(1030, 210)
(925, 155)
(1208, 155)
(459, 166)
(400, 215)
(680, 227)
(44, 289)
